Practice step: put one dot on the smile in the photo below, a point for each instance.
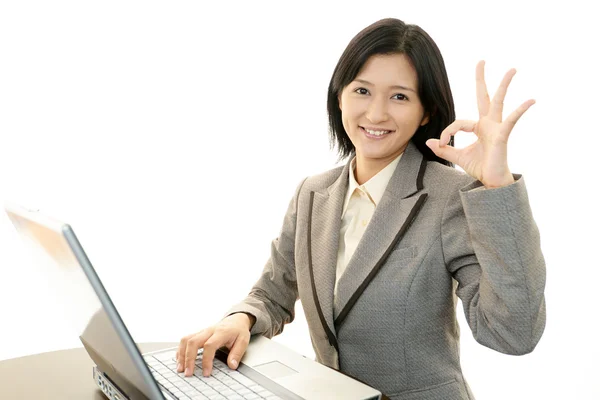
(374, 133)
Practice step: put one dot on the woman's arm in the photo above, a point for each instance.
(273, 297)
(492, 248)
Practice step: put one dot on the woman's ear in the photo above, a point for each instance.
(427, 117)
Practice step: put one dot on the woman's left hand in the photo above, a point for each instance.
(486, 159)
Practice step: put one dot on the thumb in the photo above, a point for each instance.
(448, 153)
(237, 350)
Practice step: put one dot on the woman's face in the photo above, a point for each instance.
(381, 109)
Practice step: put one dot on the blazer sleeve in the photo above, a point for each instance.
(273, 297)
(491, 246)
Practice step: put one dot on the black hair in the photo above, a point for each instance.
(393, 36)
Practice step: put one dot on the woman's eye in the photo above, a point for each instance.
(398, 96)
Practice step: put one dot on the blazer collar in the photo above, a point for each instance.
(406, 180)
(408, 177)
(391, 219)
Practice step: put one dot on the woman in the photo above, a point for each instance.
(373, 249)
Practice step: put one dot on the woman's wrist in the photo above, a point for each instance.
(249, 318)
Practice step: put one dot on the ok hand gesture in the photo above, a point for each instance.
(486, 159)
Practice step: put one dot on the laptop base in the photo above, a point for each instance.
(107, 387)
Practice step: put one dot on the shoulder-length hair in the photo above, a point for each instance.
(392, 36)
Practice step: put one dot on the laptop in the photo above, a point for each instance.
(268, 370)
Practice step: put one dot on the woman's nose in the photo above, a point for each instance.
(377, 111)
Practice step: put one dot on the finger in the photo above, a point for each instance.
(210, 349)
(483, 98)
(498, 101)
(180, 356)
(458, 125)
(448, 153)
(191, 352)
(512, 119)
(237, 350)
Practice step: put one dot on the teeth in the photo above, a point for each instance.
(377, 133)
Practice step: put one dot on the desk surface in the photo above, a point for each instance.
(63, 374)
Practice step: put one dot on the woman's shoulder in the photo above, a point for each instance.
(322, 180)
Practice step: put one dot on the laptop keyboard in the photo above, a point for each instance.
(224, 383)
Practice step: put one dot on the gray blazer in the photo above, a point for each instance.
(393, 324)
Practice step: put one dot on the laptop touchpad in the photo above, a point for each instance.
(274, 370)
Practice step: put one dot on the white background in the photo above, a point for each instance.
(171, 136)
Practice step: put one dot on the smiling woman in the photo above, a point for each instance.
(172, 135)
(377, 249)
(377, 113)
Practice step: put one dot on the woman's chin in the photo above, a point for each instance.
(372, 155)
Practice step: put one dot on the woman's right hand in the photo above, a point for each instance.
(232, 332)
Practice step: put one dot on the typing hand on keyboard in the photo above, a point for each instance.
(224, 383)
(232, 332)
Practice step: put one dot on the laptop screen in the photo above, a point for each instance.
(63, 265)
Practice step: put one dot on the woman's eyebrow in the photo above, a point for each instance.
(391, 87)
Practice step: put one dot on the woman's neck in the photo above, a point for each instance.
(366, 168)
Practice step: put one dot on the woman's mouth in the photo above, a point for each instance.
(375, 134)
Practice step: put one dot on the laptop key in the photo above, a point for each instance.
(244, 391)
(218, 374)
(263, 392)
(227, 392)
(243, 380)
(164, 356)
(254, 387)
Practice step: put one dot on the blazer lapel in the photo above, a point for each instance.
(324, 231)
(398, 207)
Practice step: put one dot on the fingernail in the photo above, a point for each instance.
(187, 372)
(234, 363)
(179, 367)
(206, 373)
